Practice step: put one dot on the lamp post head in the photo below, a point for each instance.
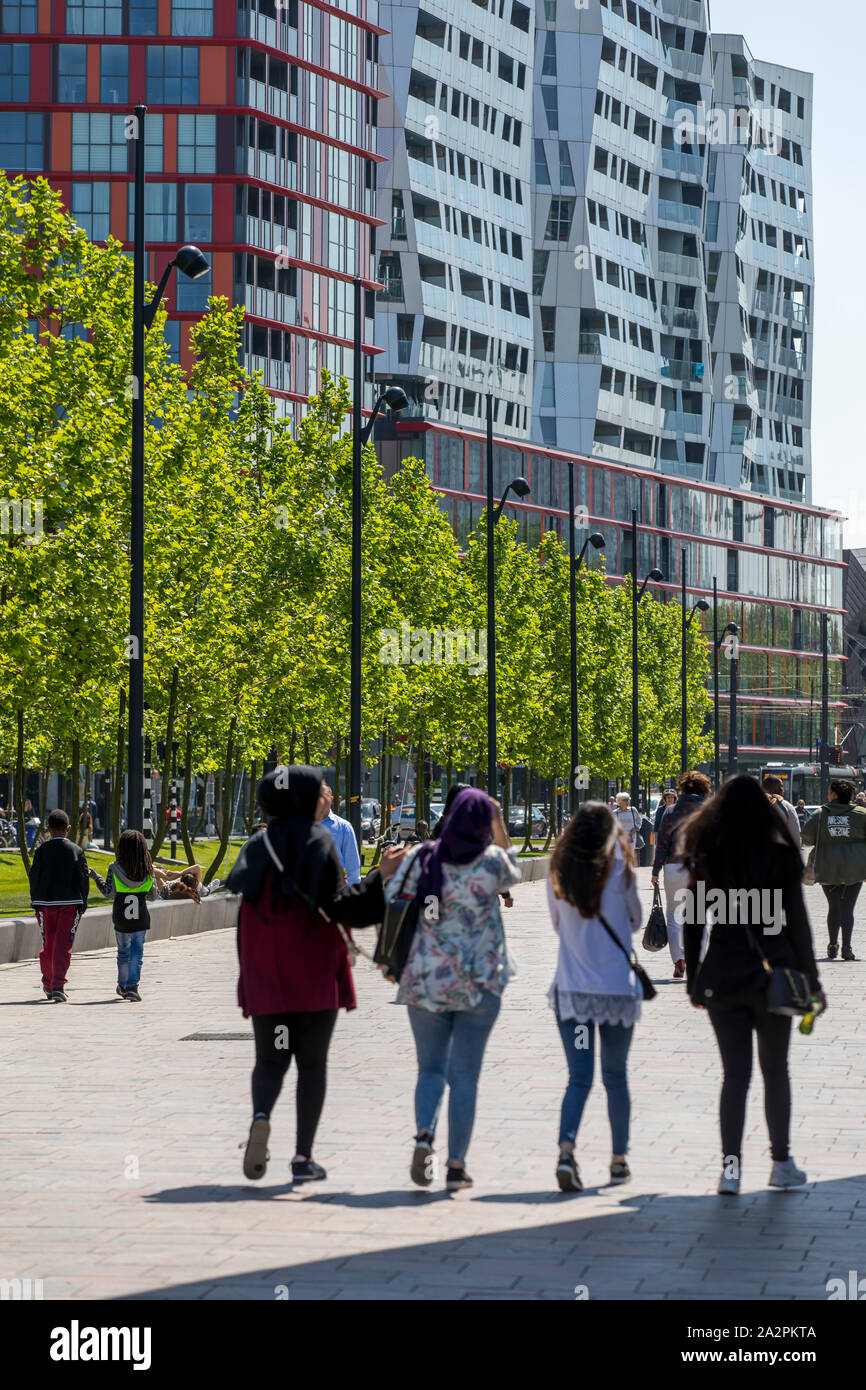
(395, 398)
(192, 262)
(656, 576)
(702, 606)
(520, 487)
(597, 540)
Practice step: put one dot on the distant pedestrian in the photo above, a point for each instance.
(629, 818)
(838, 832)
(457, 970)
(736, 844)
(860, 800)
(802, 813)
(343, 834)
(31, 824)
(295, 972)
(130, 885)
(450, 797)
(59, 887)
(667, 800)
(592, 886)
(694, 788)
(775, 794)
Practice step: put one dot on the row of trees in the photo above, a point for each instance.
(248, 546)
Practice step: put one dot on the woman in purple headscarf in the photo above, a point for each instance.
(457, 969)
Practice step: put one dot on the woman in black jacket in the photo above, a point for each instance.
(737, 845)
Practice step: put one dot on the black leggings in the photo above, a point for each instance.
(841, 901)
(279, 1038)
(733, 1025)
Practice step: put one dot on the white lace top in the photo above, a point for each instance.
(594, 982)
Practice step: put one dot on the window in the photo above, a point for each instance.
(22, 140)
(559, 219)
(198, 212)
(542, 174)
(551, 107)
(98, 143)
(114, 73)
(738, 519)
(14, 72)
(143, 17)
(520, 16)
(548, 63)
(160, 212)
(191, 296)
(566, 173)
(733, 571)
(191, 17)
(20, 17)
(94, 17)
(91, 208)
(71, 72)
(172, 75)
(196, 144)
(539, 270)
(548, 328)
(769, 528)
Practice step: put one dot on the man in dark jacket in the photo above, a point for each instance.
(59, 886)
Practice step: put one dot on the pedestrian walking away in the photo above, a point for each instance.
(343, 834)
(59, 887)
(838, 832)
(130, 885)
(694, 788)
(736, 842)
(295, 972)
(456, 971)
(774, 791)
(591, 892)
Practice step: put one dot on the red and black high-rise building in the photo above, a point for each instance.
(261, 138)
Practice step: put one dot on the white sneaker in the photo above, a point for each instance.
(728, 1187)
(787, 1174)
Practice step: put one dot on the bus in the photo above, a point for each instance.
(802, 781)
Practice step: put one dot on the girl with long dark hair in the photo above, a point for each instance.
(591, 893)
(295, 973)
(129, 883)
(740, 852)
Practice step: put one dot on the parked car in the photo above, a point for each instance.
(517, 821)
(370, 820)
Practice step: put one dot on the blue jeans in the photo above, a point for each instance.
(615, 1043)
(130, 950)
(450, 1048)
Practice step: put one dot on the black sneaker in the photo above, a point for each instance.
(133, 995)
(422, 1170)
(832, 951)
(256, 1155)
(457, 1179)
(49, 995)
(847, 953)
(568, 1174)
(307, 1171)
(620, 1172)
(59, 996)
(121, 990)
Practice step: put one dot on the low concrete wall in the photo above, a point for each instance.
(20, 937)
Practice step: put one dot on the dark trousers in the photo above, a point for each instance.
(58, 926)
(279, 1038)
(733, 1023)
(841, 901)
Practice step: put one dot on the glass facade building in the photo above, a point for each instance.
(261, 148)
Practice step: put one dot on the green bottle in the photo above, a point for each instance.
(807, 1022)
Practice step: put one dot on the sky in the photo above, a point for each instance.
(828, 39)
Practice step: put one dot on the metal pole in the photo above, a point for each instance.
(684, 734)
(825, 709)
(717, 767)
(173, 810)
(733, 750)
(574, 790)
(134, 807)
(353, 790)
(635, 774)
(491, 612)
(147, 818)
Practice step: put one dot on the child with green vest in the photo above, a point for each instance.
(129, 883)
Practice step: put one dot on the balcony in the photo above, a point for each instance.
(691, 10)
(680, 164)
(679, 369)
(672, 317)
(683, 422)
(687, 63)
(687, 267)
(789, 357)
(590, 345)
(393, 291)
(680, 212)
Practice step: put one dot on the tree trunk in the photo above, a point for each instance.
(292, 741)
(19, 792)
(80, 833)
(75, 800)
(161, 826)
(551, 788)
(306, 748)
(43, 795)
(527, 813)
(188, 782)
(226, 808)
(117, 781)
(506, 809)
(384, 798)
(249, 818)
(449, 770)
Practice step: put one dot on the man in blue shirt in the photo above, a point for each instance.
(344, 836)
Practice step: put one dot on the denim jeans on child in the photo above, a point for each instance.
(450, 1048)
(615, 1043)
(130, 950)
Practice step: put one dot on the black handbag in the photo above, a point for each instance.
(646, 984)
(655, 936)
(788, 990)
(397, 933)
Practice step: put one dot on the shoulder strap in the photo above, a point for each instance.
(352, 946)
(615, 939)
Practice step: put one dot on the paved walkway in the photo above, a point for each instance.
(120, 1168)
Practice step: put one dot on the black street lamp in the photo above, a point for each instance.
(718, 642)
(520, 488)
(596, 539)
(700, 607)
(825, 709)
(394, 397)
(190, 261)
(655, 576)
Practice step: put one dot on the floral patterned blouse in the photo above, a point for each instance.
(462, 950)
